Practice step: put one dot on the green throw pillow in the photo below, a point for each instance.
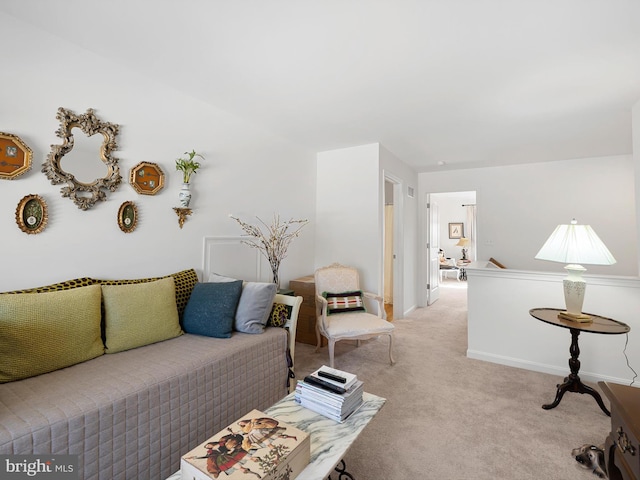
(42, 332)
(183, 280)
(138, 314)
(66, 285)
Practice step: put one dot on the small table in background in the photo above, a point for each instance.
(462, 265)
(598, 324)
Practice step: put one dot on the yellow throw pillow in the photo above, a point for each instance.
(138, 314)
(42, 332)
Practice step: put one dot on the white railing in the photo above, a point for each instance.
(500, 329)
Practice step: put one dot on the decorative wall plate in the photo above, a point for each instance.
(31, 214)
(147, 178)
(15, 156)
(128, 217)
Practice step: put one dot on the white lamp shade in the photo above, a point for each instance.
(575, 244)
(463, 242)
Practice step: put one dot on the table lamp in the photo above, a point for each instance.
(463, 242)
(575, 244)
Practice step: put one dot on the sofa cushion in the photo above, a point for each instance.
(138, 314)
(183, 280)
(42, 332)
(254, 305)
(212, 308)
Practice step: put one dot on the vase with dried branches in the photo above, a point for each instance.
(274, 241)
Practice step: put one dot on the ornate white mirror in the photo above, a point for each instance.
(84, 162)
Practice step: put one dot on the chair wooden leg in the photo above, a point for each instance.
(391, 349)
(332, 345)
(318, 338)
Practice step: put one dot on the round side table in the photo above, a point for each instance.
(597, 324)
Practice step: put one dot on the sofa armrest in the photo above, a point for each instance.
(291, 325)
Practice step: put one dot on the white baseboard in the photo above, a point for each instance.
(409, 311)
(539, 367)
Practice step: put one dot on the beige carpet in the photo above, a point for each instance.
(448, 417)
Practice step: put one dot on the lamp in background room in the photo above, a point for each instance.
(575, 244)
(464, 243)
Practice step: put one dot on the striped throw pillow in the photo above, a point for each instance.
(344, 302)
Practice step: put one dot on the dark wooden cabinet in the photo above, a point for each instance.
(306, 330)
(622, 451)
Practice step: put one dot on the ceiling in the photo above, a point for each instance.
(442, 84)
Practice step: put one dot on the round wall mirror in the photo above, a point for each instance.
(83, 161)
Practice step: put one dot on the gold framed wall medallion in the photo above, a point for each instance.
(15, 156)
(147, 178)
(128, 217)
(31, 214)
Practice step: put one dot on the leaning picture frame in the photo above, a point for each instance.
(456, 230)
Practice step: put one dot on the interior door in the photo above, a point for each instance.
(433, 247)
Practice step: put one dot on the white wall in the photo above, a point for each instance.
(408, 223)
(349, 214)
(500, 329)
(347, 210)
(519, 206)
(247, 171)
(635, 121)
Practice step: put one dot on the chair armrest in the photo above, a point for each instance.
(321, 312)
(381, 311)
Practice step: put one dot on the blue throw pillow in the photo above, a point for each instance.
(212, 308)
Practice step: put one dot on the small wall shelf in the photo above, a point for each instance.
(182, 213)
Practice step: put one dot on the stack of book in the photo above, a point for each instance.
(330, 392)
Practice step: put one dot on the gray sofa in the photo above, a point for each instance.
(132, 414)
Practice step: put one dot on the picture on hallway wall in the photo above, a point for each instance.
(456, 230)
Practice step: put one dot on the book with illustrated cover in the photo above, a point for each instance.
(255, 446)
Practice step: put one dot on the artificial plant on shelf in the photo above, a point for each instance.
(188, 166)
(274, 242)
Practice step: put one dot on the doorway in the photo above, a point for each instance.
(450, 220)
(392, 246)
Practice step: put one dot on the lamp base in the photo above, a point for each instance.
(575, 317)
(574, 289)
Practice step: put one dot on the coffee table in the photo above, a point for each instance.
(330, 440)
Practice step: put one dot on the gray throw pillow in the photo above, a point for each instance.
(254, 306)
